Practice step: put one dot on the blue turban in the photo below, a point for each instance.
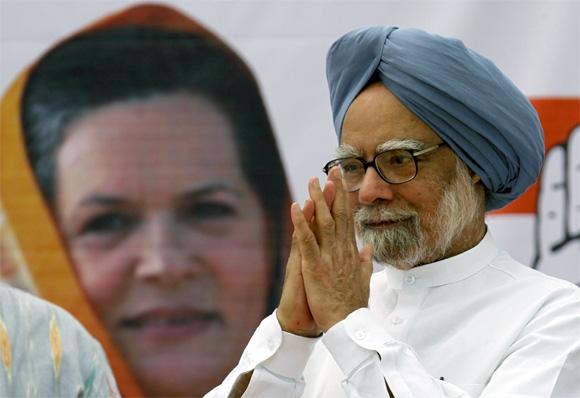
(463, 97)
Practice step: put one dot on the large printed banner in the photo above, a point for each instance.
(161, 221)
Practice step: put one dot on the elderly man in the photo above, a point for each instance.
(432, 135)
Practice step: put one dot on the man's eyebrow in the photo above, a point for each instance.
(348, 151)
(407, 143)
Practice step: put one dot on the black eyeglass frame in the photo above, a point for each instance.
(373, 164)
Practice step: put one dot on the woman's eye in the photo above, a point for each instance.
(211, 211)
(108, 223)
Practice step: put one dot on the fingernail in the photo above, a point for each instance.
(316, 182)
(292, 206)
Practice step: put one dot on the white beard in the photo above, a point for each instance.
(406, 245)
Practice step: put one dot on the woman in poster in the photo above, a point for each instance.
(142, 186)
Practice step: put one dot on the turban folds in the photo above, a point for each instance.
(462, 96)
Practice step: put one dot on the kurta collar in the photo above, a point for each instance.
(445, 271)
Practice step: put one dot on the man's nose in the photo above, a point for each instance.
(374, 188)
(164, 257)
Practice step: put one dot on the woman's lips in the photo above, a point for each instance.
(169, 323)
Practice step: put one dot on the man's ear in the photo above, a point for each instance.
(474, 177)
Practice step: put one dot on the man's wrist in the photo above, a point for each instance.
(312, 332)
(342, 316)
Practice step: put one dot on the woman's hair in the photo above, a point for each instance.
(121, 64)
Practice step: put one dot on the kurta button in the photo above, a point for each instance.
(410, 279)
(396, 320)
(360, 334)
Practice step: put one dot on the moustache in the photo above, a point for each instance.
(373, 214)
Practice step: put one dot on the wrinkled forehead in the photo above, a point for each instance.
(377, 120)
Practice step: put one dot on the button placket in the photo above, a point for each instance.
(398, 321)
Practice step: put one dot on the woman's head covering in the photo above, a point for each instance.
(26, 224)
(462, 96)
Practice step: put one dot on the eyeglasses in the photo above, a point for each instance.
(395, 166)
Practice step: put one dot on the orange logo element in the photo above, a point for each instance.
(559, 116)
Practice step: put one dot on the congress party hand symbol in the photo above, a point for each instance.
(558, 214)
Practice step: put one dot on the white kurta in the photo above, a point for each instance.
(475, 325)
(45, 352)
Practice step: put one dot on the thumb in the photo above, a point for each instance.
(293, 277)
(294, 258)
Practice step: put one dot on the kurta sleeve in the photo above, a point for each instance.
(277, 360)
(543, 362)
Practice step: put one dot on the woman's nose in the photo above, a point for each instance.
(373, 188)
(164, 255)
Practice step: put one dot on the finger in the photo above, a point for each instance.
(293, 277)
(309, 250)
(293, 283)
(573, 182)
(308, 209)
(293, 264)
(341, 210)
(550, 228)
(322, 218)
(338, 206)
(329, 192)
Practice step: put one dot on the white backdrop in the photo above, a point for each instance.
(536, 43)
